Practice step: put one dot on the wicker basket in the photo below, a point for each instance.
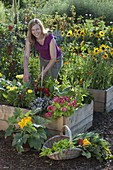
(66, 153)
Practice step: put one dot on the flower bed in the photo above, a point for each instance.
(79, 121)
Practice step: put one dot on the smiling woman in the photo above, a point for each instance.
(46, 46)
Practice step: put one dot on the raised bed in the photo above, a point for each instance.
(103, 100)
(78, 122)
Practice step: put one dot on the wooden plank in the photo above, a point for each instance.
(109, 106)
(109, 94)
(99, 107)
(99, 95)
(56, 124)
(103, 99)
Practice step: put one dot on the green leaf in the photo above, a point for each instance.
(9, 131)
(86, 154)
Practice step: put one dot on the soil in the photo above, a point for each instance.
(11, 160)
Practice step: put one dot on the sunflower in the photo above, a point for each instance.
(82, 33)
(62, 33)
(101, 34)
(105, 56)
(93, 58)
(111, 51)
(91, 34)
(95, 51)
(69, 33)
(102, 48)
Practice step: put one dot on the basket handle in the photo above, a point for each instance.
(70, 135)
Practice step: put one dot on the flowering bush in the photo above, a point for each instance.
(16, 93)
(61, 106)
(26, 129)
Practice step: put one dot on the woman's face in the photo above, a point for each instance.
(36, 31)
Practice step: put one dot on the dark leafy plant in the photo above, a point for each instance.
(93, 145)
(26, 129)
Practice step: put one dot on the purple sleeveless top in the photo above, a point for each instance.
(44, 49)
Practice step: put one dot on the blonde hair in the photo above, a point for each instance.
(33, 22)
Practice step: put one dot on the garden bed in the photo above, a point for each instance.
(103, 99)
(10, 159)
(78, 122)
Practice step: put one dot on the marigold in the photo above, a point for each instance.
(86, 142)
(19, 76)
(30, 91)
(24, 122)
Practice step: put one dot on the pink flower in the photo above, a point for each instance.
(48, 114)
(74, 103)
(67, 98)
(69, 104)
(51, 108)
(56, 99)
(64, 109)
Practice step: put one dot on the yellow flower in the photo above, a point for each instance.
(111, 29)
(95, 51)
(102, 48)
(75, 31)
(8, 87)
(69, 33)
(91, 34)
(36, 81)
(105, 56)
(101, 33)
(93, 58)
(111, 51)
(30, 91)
(86, 142)
(25, 121)
(19, 76)
(82, 33)
(0, 74)
(13, 88)
(62, 33)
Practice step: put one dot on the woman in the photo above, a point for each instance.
(49, 52)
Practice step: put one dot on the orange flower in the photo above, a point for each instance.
(66, 63)
(86, 142)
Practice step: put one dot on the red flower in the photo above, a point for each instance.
(10, 27)
(46, 91)
(35, 87)
(80, 141)
(89, 72)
